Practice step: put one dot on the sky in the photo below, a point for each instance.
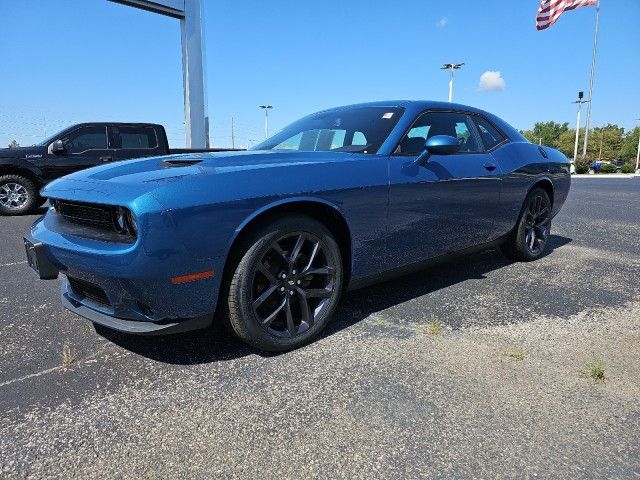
(68, 61)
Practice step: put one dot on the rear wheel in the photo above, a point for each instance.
(287, 284)
(529, 238)
(18, 195)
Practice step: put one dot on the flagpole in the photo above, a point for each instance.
(593, 71)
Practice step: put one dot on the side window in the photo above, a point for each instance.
(135, 137)
(85, 138)
(359, 139)
(429, 124)
(488, 133)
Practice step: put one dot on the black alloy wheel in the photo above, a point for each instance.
(537, 223)
(287, 285)
(530, 236)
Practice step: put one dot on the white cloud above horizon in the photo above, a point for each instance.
(492, 81)
(442, 22)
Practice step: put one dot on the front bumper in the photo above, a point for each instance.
(130, 326)
(127, 287)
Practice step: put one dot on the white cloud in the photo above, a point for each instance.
(442, 22)
(491, 81)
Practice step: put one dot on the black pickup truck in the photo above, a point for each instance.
(24, 170)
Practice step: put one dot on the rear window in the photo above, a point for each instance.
(489, 134)
(135, 137)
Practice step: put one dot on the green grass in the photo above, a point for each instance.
(517, 355)
(594, 369)
(433, 328)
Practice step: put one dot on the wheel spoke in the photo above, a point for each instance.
(276, 248)
(266, 294)
(319, 271)
(268, 320)
(265, 271)
(532, 238)
(291, 327)
(312, 257)
(296, 249)
(319, 292)
(307, 316)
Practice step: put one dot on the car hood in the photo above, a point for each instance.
(122, 183)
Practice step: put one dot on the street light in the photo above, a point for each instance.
(580, 101)
(451, 67)
(638, 154)
(266, 109)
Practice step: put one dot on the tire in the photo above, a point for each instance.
(529, 238)
(267, 310)
(18, 195)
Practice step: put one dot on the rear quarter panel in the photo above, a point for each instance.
(523, 166)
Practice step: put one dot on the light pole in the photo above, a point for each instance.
(638, 154)
(266, 109)
(580, 101)
(451, 67)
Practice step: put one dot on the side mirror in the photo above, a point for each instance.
(438, 145)
(57, 147)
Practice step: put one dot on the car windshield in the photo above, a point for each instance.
(358, 129)
(46, 142)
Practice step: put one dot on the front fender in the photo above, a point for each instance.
(280, 203)
(20, 164)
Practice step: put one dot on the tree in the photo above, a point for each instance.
(547, 133)
(605, 143)
(14, 144)
(629, 148)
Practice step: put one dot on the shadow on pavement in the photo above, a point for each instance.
(216, 344)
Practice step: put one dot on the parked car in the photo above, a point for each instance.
(24, 170)
(269, 238)
(618, 164)
(596, 166)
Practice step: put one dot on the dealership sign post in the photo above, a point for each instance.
(189, 12)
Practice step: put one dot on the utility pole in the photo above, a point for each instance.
(638, 154)
(580, 101)
(233, 136)
(266, 109)
(451, 67)
(593, 72)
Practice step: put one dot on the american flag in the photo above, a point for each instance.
(550, 10)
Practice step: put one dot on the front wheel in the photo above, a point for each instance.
(528, 240)
(18, 195)
(287, 284)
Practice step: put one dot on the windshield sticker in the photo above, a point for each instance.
(387, 115)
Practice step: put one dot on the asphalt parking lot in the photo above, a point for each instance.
(499, 392)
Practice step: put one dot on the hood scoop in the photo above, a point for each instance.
(181, 162)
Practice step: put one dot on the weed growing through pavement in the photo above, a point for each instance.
(432, 328)
(594, 369)
(67, 356)
(517, 355)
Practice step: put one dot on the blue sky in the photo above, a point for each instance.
(66, 61)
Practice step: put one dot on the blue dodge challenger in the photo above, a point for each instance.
(269, 238)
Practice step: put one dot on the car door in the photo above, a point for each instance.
(448, 203)
(134, 141)
(84, 147)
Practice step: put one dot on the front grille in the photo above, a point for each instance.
(88, 290)
(92, 220)
(100, 216)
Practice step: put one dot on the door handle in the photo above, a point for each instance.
(490, 166)
(106, 159)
